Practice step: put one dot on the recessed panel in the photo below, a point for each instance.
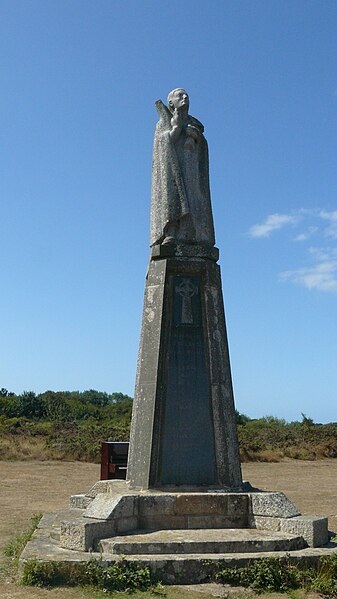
(187, 450)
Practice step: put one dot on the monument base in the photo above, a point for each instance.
(180, 536)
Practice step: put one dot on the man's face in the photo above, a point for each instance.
(180, 99)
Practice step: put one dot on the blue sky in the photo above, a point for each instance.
(78, 83)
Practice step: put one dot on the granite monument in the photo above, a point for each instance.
(184, 508)
(183, 425)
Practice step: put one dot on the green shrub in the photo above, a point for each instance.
(270, 574)
(82, 439)
(273, 574)
(121, 576)
(328, 566)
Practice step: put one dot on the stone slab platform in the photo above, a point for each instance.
(201, 541)
(109, 510)
(171, 569)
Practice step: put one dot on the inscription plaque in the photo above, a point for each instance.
(187, 451)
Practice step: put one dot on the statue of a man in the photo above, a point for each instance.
(180, 203)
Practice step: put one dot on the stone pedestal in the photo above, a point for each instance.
(183, 429)
(182, 537)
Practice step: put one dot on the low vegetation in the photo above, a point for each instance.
(121, 576)
(267, 575)
(15, 546)
(271, 439)
(70, 425)
(276, 575)
(63, 425)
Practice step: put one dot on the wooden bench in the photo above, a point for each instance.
(114, 459)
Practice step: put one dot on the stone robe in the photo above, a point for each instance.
(180, 184)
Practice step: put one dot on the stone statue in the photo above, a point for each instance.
(180, 203)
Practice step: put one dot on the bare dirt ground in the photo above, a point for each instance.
(27, 488)
(311, 486)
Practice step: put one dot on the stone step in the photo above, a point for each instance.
(52, 521)
(205, 541)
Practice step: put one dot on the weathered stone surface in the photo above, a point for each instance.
(238, 505)
(216, 521)
(201, 541)
(172, 510)
(152, 505)
(180, 200)
(313, 529)
(114, 487)
(276, 505)
(203, 451)
(105, 507)
(161, 521)
(265, 523)
(175, 511)
(202, 504)
(144, 425)
(79, 501)
(81, 534)
(126, 524)
(180, 250)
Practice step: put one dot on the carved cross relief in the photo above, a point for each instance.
(186, 289)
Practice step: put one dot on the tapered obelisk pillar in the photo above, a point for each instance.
(183, 432)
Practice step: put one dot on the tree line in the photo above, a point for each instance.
(72, 424)
(65, 405)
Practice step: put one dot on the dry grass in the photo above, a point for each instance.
(29, 448)
(263, 455)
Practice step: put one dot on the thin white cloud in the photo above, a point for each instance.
(331, 217)
(301, 237)
(323, 254)
(272, 223)
(308, 211)
(307, 234)
(321, 276)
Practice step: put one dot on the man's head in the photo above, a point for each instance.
(178, 98)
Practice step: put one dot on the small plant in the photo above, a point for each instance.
(16, 545)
